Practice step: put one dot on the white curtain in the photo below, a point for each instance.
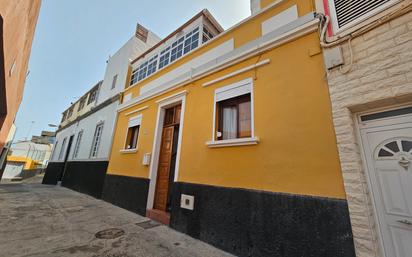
(229, 123)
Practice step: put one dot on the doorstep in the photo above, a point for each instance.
(159, 216)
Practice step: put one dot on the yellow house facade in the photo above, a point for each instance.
(232, 142)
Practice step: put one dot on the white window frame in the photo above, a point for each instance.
(77, 144)
(157, 54)
(114, 82)
(62, 150)
(136, 121)
(252, 140)
(96, 140)
(334, 18)
(54, 150)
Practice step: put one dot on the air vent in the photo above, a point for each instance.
(350, 10)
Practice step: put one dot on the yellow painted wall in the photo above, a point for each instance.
(297, 150)
(28, 162)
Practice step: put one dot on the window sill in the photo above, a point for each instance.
(129, 150)
(233, 142)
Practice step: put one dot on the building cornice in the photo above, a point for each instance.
(93, 110)
(296, 29)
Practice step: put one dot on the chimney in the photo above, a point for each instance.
(141, 32)
(254, 6)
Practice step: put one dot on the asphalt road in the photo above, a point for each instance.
(42, 221)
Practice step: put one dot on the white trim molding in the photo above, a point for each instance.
(233, 142)
(291, 31)
(165, 103)
(237, 72)
(137, 110)
(125, 151)
(132, 122)
(172, 98)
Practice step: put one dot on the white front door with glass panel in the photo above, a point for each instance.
(387, 145)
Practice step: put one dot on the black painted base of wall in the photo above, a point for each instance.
(53, 173)
(255, 223)
(129, 193)
(85, 177)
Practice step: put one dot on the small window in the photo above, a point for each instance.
(234, 111)
(96, 140)
(206, 35)
(92, 96)
(62, 149)
(133, 78)
(114, 81)
(142, 71)
(191, 41)
(64, 116)
(77, 145)
(81, 104)
(234, 118)
(395, 148)
(70, 112)
(133, 132)
(54, 150)
(164, 57)
(177, 49)
(152, 66)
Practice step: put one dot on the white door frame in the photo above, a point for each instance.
(167, 102)
(359, 126)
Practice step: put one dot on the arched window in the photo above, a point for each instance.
(393, 148)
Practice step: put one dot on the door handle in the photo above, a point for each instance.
(405, 222)
(404, 162)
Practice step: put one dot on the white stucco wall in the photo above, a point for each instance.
(119, 64)
(88, 125)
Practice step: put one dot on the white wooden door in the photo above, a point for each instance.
(388, 152)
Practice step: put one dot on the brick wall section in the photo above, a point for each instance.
(381, 75)
(19, 22)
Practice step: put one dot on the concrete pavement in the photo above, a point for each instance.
(42, 221)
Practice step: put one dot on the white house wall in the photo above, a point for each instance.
(119, 64)
(88, 125)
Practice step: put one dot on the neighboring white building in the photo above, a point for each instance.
(27, 158)
(367, 50)
(83, 140)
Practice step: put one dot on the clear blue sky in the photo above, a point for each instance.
(75, 37)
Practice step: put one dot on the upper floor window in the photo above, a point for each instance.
(77, 145)
(64, 116)
(114, 81)
(191, 41)
(96, 140)
(206, 35)
(92, 96)
(70, 112)
(62, 149)
(54, 150)
(81, 103)
(164, 57)
(176, 50)
(144, 70)
(347, 13)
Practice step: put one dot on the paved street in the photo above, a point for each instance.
(39, 220)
